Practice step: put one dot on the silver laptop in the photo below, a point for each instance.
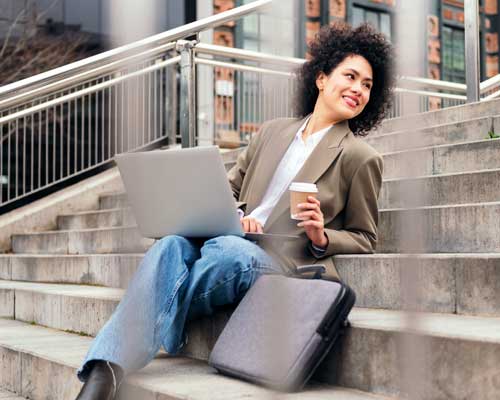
(182, 192)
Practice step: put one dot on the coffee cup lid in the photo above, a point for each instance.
(303, 187)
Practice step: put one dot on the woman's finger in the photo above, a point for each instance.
(259, 228)
(311, 223)
(313, 200)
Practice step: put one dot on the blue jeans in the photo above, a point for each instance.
(178, 280)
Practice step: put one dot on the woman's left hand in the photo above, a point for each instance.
(313, 221)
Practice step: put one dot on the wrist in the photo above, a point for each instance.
(322, 243)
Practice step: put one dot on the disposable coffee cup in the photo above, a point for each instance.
(299, 191)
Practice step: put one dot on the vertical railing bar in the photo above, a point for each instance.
(122, 118)
(155, 129)
(143, 116)
(68, 140)
(149, 106)
(61, 144)
(75, 136)
(24, 155)
(161, 103)
(102, 125)
(237, 102)
(39, 149)
(1, 163)
(32, 152)
(96, 116)
(109, 123)
(16, 155)
(89, 133)
(116, 120)
(128, 109)
(82, 152)
(54, 143)
(8, 160)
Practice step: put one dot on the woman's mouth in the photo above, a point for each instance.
(350, 101)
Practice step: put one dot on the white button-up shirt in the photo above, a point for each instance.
(289, 166)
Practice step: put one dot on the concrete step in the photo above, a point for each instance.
(443, 159)
(110, 270)
(458, 132)
(370, 354)
(88, 241)
(443, 189)
(463, 228)
(74, 308)
(113, 200)
(450, 280)
(447, 115)
(464, 284)
(96, 219)
(447, 230)
(455, 352)
(6, 395)
(33, 355)
(454, 188)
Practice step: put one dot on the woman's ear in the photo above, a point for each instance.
(321, 81)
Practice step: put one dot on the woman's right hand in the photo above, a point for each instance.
(251, 225)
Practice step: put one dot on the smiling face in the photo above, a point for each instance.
(344, 93)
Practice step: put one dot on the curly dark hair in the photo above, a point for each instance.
(331, 46)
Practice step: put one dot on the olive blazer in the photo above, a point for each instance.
(348, 174)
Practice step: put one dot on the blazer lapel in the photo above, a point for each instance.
(323, 155)
(269, 159)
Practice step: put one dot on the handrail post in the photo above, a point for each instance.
(187, 99)
(471, 8)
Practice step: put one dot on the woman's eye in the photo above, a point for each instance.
(351, 76)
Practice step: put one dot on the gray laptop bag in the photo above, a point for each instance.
(282, 330)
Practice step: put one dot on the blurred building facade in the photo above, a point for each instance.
(442, 47)
(296, 22)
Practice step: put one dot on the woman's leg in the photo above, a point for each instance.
(133, 335)
(227, 268)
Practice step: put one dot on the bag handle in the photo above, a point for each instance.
(317, 269)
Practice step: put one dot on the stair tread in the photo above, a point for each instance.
(476, 328)
(6, 395)
(342, 256)
(172, 376)
(428, 207)
(439, 146)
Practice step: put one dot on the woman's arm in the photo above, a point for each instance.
(236, 175)
(361, 212)
(360, 216)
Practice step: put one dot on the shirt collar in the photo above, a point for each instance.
(314, 138)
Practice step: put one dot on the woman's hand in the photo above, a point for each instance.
(313, 221)
(251, 225)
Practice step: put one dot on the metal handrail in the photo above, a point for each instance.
(248, 55)
(82, 76)
(490, 83)
(434, 84)
(84, 92)
(119, 53)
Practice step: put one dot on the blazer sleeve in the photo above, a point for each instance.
(361, 212)
(236, 174)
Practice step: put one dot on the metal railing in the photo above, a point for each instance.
(160, 90)
(73, 119)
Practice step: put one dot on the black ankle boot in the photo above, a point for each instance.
(102, 383)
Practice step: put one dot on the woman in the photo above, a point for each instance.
(344, 92)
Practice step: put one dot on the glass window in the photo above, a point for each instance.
(453, 62)
(358, 16)
(380, 20)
